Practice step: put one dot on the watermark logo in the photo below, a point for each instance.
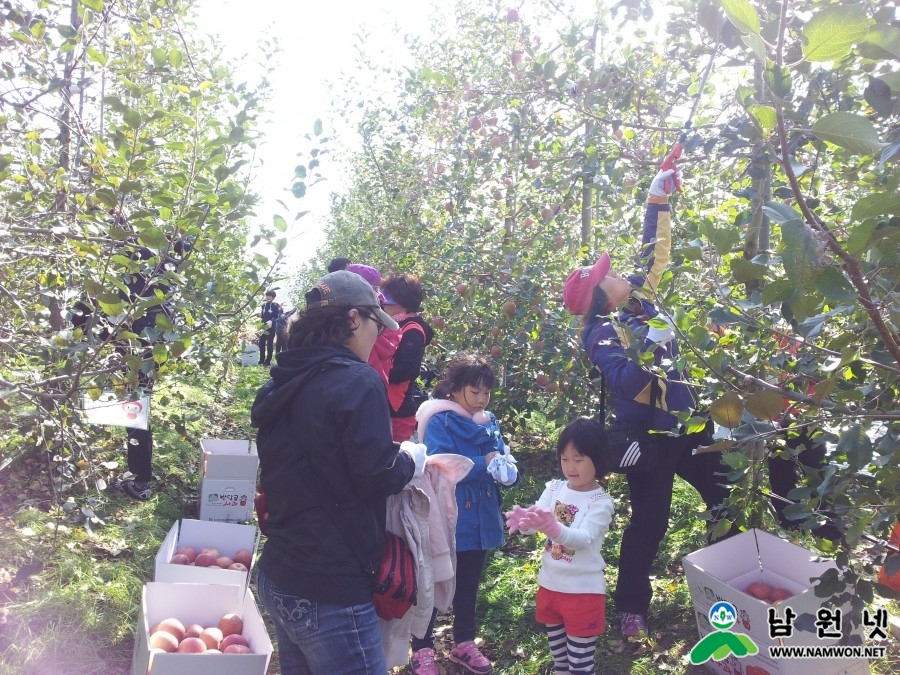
(722, 643)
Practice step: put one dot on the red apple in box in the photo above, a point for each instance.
(206, 560)
(189, 551)
(224, 562)
(233, 639)
(193, 630)
(240, 567)
(172, 626)
(237, 649)
(244, 557)
(231, 624)
(164, 641)
(212, 637)
(191, 645)
(180, 559)
(760, 590)
(779, 594)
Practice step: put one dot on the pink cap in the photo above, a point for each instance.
(370, 274)
(579, 287)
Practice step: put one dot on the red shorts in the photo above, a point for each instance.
(582, 614)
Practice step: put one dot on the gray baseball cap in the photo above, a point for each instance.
(346, 289)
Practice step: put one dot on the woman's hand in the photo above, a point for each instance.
(488, 457)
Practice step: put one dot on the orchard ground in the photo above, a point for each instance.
(73, 568)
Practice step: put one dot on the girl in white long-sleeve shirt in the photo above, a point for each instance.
(575, 514)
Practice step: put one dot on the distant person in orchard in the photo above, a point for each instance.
(327, 465)
(574, 514)
(153, 278)
(338, 264)
(456, 421)
(607, 301)
(269, 315)
(401, 297)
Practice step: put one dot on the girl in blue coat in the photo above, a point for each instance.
(455, 420)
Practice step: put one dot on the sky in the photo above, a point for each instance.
(316, 38)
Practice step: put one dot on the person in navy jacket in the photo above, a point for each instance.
(617, 311)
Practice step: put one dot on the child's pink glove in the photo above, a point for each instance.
(514, 517)
(541, 520)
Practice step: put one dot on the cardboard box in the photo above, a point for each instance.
(228, 470)
(722, 572)
(228, 538)
(204, 604)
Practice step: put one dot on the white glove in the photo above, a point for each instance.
(417, 452)
(503, 469)
(665, 182)
(268, 324)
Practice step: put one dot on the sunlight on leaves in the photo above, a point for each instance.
(831, 33)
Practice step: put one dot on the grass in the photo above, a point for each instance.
(73, 566)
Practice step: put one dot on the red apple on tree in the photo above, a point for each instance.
(495, 351)
(462, 289)
(515, 57)
(512, 15)
(509, 307)
(475, 123)
(542, 380)
(532, 162)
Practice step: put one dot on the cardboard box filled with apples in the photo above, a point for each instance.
(756, 571)
(202, 552)
(201, 629)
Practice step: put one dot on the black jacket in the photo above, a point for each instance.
(327, 463)
(408, 362)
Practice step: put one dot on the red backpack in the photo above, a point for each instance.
(395, 579)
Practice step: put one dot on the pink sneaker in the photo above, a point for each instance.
(470, 657)
(422, 663)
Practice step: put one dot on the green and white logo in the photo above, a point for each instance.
(722, 643)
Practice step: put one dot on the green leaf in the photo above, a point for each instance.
(95, 5)
(778, 79)
(851, 132)
(777, 291)
(878, 95)
(159, 56)
(153, 238)
(299, 189)
(856, 445)
(882, 43)
(832, 32)
(176, 58)
(878, 204)
(95, 55)
(127, 186)
(765, 405)
(834, 285)
(860, 237)
(764, 116)
(132, 118)
(800, 253)
(742, 15)
(280, 223)
(317, 127)
(757, 44)
(780, 213)
(300, 172)
(744, 270)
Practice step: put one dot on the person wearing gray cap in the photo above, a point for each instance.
(327, 465)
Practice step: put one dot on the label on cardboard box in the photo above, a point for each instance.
(228, 470)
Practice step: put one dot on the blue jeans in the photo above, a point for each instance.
(315, 638)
